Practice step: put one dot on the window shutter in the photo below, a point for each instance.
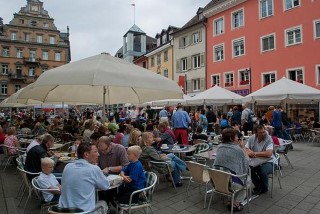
(202, 84)
(180, 43)
(203, 59)
(187, 41)
(189, 63)
(178, 65)
(191, 39)
(200, 35)
(189, 86)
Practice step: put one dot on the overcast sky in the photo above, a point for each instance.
(99, 25)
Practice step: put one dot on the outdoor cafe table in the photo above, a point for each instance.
(182, 150)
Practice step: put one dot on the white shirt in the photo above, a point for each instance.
(45, 182)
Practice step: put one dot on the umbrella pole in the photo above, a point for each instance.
(103, 106)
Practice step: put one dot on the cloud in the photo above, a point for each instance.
(99, 25)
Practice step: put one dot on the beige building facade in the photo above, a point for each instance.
(30, 44)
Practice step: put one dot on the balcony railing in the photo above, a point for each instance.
(12, 76)
(31, 60)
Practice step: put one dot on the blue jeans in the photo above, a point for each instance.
(260, 174)
(178, 166)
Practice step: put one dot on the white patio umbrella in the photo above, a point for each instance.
(215, 96)
(284, 90)
(102, 79)
(168, 102)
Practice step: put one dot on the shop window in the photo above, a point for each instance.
(268, 43)
(289, 4)
(237, 19)
(293, 36)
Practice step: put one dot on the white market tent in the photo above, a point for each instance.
(167, 102)
(284, 90)
(215, 96)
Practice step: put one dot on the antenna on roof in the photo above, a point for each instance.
(134, 13)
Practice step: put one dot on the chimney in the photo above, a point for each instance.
(1, 25)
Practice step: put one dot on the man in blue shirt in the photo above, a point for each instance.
(180, 124)
(277, 122)
(81, 178)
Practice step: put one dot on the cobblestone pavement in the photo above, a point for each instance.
(300, 191)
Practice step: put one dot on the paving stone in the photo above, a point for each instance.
(305, 206)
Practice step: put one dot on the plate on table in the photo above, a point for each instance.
(114, 179)
(177, 149)
(64, 158)
(164, 147)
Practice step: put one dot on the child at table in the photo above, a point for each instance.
(47, 180)
(133, 176)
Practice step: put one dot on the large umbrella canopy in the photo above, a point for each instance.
(284, 90)
(101, 79)
(167, 102)
(215, 96)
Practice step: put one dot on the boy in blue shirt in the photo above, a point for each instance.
(133, 176)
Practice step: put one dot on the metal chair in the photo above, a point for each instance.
(39, 195)
(200, 147)
(27, 185)
(58, 210)
(284, 152)
(275, 169)
(156, 165)
(222, 182)
(199, 175)
(146, 195)
(8, 158)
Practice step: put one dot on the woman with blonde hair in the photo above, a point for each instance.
(12, 141)
(135, 138)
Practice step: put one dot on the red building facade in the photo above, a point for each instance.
(253, 43)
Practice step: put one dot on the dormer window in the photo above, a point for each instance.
(164, 39)
(158, 41)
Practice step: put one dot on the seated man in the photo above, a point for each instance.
(166, 135)
(81, 178)
(47, 180)
(260, 145)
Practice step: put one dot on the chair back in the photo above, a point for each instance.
(221, 180)
(59, 210)
(197, 141)
(34, 183)
(151, 180)
(198, 172)
(201, 147)
(160, 167)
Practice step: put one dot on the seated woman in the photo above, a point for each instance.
(199, 135)
(135, 138)
(233, 159)
(127, 132)
(12, 141)
(166, 135)
(120, 133)
(149, 153)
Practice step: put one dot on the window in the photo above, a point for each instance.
(45, 55)
(152, 61)
(19, 71)
(52, 40)
(267, 43)
(21, 21)
(228, 79)
(158, 41)
(244, 77)
(166, 73)
(39, 38)
(164, 38)
(218, 26)
(165, 56)
(289, 4)
(296, 75)
(19, 53)
(13, 36)
(196, 85)
(238, 47)
(268, 78)
(45, 25)
(4, 88)
(17, 88)
(317, 29)
(159, 59)
(216, 80)
(183, 42)
(5, 51)
(195, 38)
(5, 69)
(57, 56)
(293, 36)
(32, 71)
(27, 37)
(218, 53)
(32, 55)
(318, 73)
(184, 65)
(237, 19)
(196, 61)
(266, 8)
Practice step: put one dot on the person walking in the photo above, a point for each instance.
(180, 124)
